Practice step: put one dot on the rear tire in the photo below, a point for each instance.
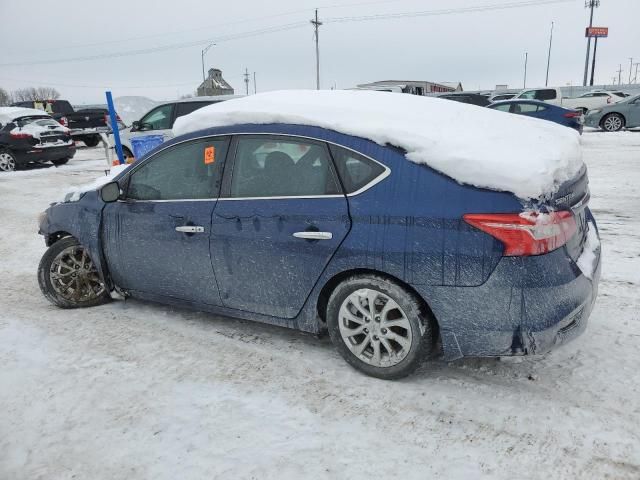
(60, 161)
(613, 122)
(8, 161)
(91, 140)
(389, 341)
(68, 278)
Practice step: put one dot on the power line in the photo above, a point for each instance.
(57, 84)
(162, 48)
(447, 11)
(289, 26)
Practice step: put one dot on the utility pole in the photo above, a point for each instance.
(246, 80)
(316, 24)
(255, 89)
(589, 4)
(202, 57)
(546, 83)
(635, 77)
(526, 60)
(593, 65)
(630, 68)
(620, 75)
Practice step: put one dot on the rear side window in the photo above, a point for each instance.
(187, 171)
(546, 94)
(188, 107)
(355, 170)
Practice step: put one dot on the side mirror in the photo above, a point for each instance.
(135, 126)
(110, 192)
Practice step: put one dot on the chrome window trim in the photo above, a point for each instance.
(372, 183)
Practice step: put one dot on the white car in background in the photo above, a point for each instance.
(160, 119)
(585, 102)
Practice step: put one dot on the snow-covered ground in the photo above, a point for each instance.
(134, 390)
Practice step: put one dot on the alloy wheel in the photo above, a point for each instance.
(7, 162)
(74, 276)
(613, 123)
(375, 328)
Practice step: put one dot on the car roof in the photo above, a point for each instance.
(214, 98)
(8, 114)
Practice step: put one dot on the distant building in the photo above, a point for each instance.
(214, 85)
(413, 87)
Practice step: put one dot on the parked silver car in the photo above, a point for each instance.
(617, 116)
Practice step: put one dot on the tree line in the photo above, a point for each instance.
(27, 94)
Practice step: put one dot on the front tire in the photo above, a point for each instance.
(68, 278)
(7, 161)
(378, 327)
(60, 161)
(613, 122)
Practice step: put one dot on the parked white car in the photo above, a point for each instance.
(160, 119)
(585, 102)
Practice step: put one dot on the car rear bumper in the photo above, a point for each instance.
(529, 305)
(35, 154)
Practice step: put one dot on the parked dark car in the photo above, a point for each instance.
(85, 125)
(544, 111)
(32, 136)
(470, 98)
(308, 228)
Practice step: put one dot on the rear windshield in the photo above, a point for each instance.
(42, 121)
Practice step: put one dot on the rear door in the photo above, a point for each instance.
(156, 240)
(283, 218)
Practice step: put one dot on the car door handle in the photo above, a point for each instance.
(190, 229)
(314, 235)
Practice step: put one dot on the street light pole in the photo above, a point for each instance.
(546, 83)
(630, 68)
(526, 60)
(202, 58)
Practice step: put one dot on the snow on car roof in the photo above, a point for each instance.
(473, 145)
(8, 114)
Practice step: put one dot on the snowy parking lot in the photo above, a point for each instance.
(138, 390)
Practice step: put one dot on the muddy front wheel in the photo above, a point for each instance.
(69, 278)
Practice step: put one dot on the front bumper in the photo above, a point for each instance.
(44, 154)
(592, 121)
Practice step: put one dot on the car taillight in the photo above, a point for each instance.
(63, 121)
(575, 114)
(20, 135)
(526, 233)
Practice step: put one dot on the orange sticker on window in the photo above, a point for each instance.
(209, 155)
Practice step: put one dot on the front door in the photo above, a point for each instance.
(156, 239)
(283, 218)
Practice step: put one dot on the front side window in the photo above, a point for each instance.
(503, 108)
(525, 108)
(273, 167)
(158, 119)
(355, 170)
(187, 171)
(531, 94)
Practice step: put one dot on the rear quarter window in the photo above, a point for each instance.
(355, 170)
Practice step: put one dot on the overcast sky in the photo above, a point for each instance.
(480, 49)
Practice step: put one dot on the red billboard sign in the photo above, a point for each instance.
(597, 32)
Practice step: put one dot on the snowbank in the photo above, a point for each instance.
(473, 145)
(74, 194)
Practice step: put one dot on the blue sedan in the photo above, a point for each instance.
(308, 228)
(545, 111)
